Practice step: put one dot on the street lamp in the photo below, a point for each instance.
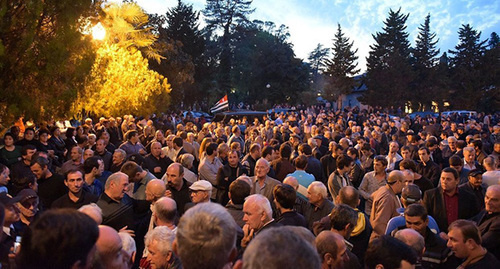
(98, 32)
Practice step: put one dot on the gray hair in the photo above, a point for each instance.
(128, 243)
(295, 251)
(114, 178)
(411, 238)
(208, 232)
(92, 210)
(262, 203)
(319, 188)
(122, 152)
(187, 160)
(164, 238)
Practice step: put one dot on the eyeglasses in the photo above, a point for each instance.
(29, 204)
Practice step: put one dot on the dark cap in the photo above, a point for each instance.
(475, 172)
(26, 194)
(7, 200)
(411, 193)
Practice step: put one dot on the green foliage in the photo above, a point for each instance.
(341, 68)
(44, 57)
(389, 72)
(469, 83)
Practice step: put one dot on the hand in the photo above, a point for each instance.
(157, 169)
(130, 232)
(247, 235)
(168, 194)
(142, 152)
(444, 236)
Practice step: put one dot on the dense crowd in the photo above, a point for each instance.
(309, 188)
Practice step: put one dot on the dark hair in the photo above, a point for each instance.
(285, 195)
(455, 160)
(178, 141)
(285, 151)
(2, 167)
(405, 148)
(305, 148)
(25, 148)
(130, 134)
(477, 144)
(341, 216)
(58, 239)
(130, 168)
(9, 134)
(451, 170)
(72, 171)
(29, 129)
(408, 164)
(42, 161)
(425, 148)
(211, 148)
(301, 162)
(389, 252)
(91, 163)
(343, 161)
(239, 190)
(468, 228)
(475, 173)
(416, 210)
(382, 159)
(43, 131)
(267, 150)
(353, 151)
(22, 183)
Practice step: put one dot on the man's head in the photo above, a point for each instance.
(456, 162)
(416, 218)
(28, 203)
(11, 212)
(292, 181)
(211, 149)
(492, 199)
(74, 181)
(156, 149)
(100, 146)
(119, 156)
(469, 154)
(116, 186)
(159, 244)
(396, 180)
(238, 191)
(475, 178)
(412, 239)
(261, 168)
(452, 143)
(92, 166)
(87, 154)
(76, 154)
(257, 211)
(316, 193)
(133, 171)
(109, 249)
(388, 252)
(393, 147)
(410, 194)
(343, 219)
(331, 249)
(284, 196)
(155, 189)
(73, 248)
(4, 175)
(27, 151)
(464, 237)
(165, 211)
(92, 210)
(40, 167)
(175, 174)
(406, 153)
(201, 191)
(379, 164)
(449, 179)
(348, 195)
(132, 136)
(424, 154)
(177, 142)
(217, 234)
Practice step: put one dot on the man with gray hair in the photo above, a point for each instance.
(414, 240)
(294, 251)
(159, 244)
(319, 205)
(211, 245)
(116, 205)
(262, 183)
(258, 215)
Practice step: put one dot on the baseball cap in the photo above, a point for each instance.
(411, 193)
(7, 200)
(26, 194)
(201, 185)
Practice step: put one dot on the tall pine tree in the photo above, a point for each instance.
(317, 62)
(341, 68)
(226, 15)
(425, 86)
(389, 73)
(468, 82)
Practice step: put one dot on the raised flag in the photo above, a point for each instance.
(221, 105)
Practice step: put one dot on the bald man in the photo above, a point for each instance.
(301, 204)
(414, 240)
(331, 249)
(155, 189)
(109, 250)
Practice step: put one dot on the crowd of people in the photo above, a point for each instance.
(310, 188)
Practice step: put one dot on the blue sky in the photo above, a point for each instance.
(315, 21)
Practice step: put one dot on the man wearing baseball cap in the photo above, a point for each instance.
(200, 192)
(28, 208)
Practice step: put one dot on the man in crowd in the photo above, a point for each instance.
(209, 167)
(119, 158)
(239, 190)
(77, 195)
(381, 254)
(426, 167)
(101, 151)
(250, 160)
(22, 169)
(319, 205)
(139, 177)
(116, 205)
(93, 168)
(331, 249)
(76, 161)
(258, 216)
(155, 162)
(488, 221)
(178, 187)
(159, 243)
(475, 186)
(109, 251)
(50, 185)
(262, 183)
(303, 178)
(447, 204)
(132, 145)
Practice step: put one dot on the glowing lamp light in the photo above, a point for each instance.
(98, 32)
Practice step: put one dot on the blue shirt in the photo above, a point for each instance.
(399, 221)
(305, 179)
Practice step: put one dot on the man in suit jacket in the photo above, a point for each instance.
(262, 183)
(447, 204)
(488, 221)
